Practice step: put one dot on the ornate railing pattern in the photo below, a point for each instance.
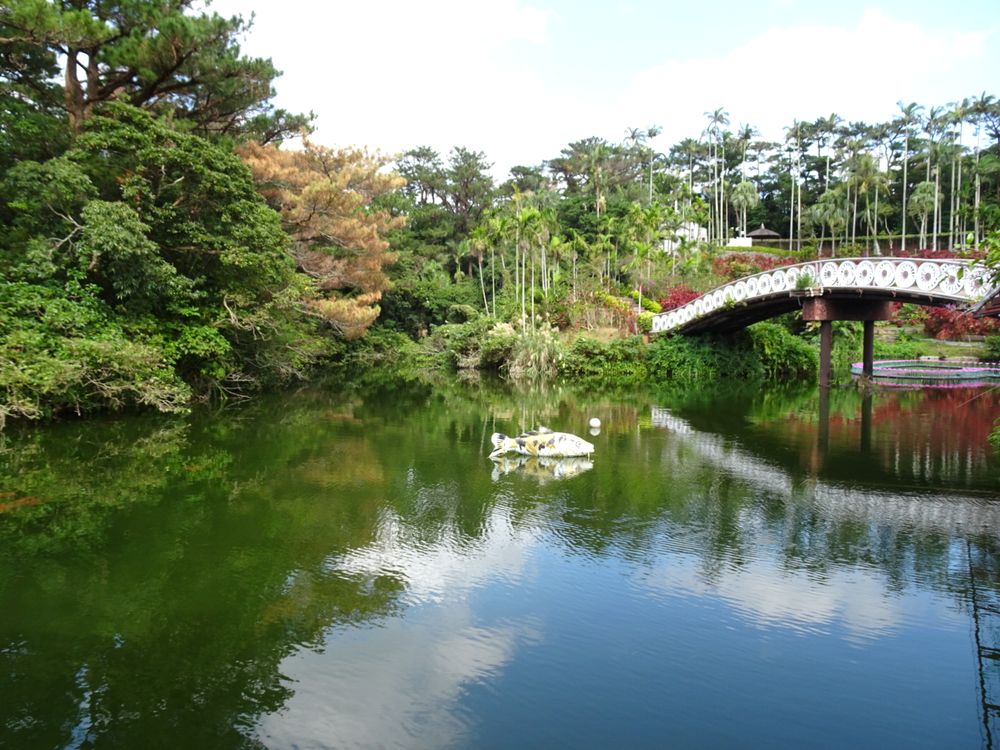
(950, 280)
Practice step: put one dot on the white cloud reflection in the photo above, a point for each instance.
(398, 683)
(767, 596)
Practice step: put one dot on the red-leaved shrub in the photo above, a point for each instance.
(676, 296)
(949, 323)
(736, 266)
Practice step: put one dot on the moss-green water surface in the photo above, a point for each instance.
(738, 568)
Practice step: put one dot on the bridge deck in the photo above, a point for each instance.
(765, 295)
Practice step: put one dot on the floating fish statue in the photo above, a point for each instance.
(542, 469)
(542, 442)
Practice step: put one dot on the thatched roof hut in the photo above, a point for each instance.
(763, 233)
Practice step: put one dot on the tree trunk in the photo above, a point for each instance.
(798, 230)
(906, 159)
(73, 95)
(482, 285)
(937, 207)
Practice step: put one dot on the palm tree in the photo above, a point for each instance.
(478, 241)
(985, 167)
(910, 115)
(793, 143)
(716, 121)
(956, 121)
(867, 176)
(831, 210)
(934, 125)
(980, 108)
(922, 202)
(744, 135)
(824, 131)
(744, 196)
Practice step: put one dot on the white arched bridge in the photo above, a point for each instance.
(852, 289)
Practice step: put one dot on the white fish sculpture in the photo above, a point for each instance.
(542, 442)
(540, 469)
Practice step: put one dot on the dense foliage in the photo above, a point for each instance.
(157, 244)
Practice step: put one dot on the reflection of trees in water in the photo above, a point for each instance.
(170, 568)
(171, 565)
(924, 437)
(927, 436)
(761, 496)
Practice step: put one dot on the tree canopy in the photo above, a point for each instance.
(153, 54)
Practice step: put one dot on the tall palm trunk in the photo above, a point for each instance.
(791, 214)
(878, 250)
(937, 205)
(906, 159)
(798, 231)
(854, 219)
(952, 215)
(723, 214)
(959, 216)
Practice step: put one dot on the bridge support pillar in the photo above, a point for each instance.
(868, 355)
(825, 345)
(827, 309)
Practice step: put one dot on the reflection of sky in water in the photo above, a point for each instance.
(854, 602)
(538, 620)
(405, 681)
(399, 684)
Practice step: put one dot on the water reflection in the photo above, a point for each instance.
(350, 570)
(767, 594)
(540, 469)
(416, 667)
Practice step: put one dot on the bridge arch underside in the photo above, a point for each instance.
(835, 289)
(742, 314)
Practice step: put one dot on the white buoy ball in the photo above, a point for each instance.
(595, 422)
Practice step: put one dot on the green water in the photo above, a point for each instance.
(743, 568)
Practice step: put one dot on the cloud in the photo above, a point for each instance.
(513, 79)
(805, 72)
(395, 75)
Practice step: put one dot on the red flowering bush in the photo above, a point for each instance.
(932, 254)
(736, 266)
(676, 296)
(949, 323)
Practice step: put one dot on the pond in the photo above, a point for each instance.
(747, 567)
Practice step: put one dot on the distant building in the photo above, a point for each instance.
(687, 232)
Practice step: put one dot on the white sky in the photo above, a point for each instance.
(520, 79)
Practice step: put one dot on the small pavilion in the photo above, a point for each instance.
(763, 233)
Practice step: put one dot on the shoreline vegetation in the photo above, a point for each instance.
(169, 237)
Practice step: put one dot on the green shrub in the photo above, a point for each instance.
(645, 321)
(497, 347)
(62, 351)
(765, 350)
(993, 348)
(700, 359)
(416, 305)
(648, 303)
(621, 359)
(461, 313)
(535, 354)
(900, 349)
(782, 354)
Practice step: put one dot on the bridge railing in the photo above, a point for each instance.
(947, 280)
